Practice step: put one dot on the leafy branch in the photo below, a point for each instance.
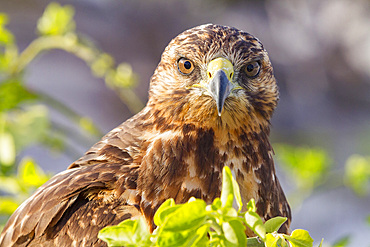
(196, 224)
(25, 122)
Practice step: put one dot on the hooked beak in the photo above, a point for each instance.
(220, 72)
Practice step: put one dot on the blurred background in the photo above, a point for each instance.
(73, 72)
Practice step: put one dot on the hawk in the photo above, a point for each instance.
(210, 103)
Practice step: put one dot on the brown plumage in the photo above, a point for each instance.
(210, 102)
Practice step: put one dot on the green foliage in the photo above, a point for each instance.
(6, 37)
(342, 242)
(13, 93)
(307, 166)
(24, 121)
(17, 187)
(197, 224)
(126, 232)
(57, 20)
(357, 174)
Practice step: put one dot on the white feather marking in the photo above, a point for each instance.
(191, 183)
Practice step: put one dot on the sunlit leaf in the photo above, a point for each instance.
(274, 224)
(6, 37)
(8, 205)
(342, 242)
(357, 174)
(230, 189)
(29, 126)
(12, 93)
(216, 204)
(307, 166)
(275, 241)
(10, 185)
(164, 211)
(254, 222)
(127, 233)
(30, 174)
(188, 216)
(184, 238)
(122, 77)
(251, 206)
(88, 125)
(178, 238)
(56, 20)
(322, 241)
(102, 65)
(300, 238)
(7, 149)
(234, 233)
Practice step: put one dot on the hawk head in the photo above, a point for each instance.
(215, 74)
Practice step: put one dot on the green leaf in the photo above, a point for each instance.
(8, 205)
(28, 126)
(306, 165)
(254, 222)
(7, 58)
(7, 149)
(217, 204)
(88, 125)
(300, 238)
(30, 174)
(169, 238)
(275, 241)
(234, 232)
(164, 211)
(12, 93)
(187, 216)
(201, 237)
(6, 37)
(184, 238)
(122, 77)
(342, 242)
(255, 242)
(230, 213)
(10, 184)
(127, 233)
(274, 224)
(251, 206)
(56, 20)
(322, 241)
(357, 174)
(230, 189)
(102, 65)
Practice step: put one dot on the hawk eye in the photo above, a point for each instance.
(185, 66)
(253, 69)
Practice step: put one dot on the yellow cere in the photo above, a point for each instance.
(220, 64)
(216, 64)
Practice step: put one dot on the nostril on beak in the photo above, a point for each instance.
(209, 75)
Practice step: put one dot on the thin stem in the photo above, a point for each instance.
(71, 44)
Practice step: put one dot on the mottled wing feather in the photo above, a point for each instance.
(87, 185)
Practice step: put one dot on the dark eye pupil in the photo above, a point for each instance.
(187, 65)
(250, 67)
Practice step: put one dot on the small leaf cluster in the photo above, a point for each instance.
(197, 224)
(308, 166)
(357, 174)
(19, 178)
(17, 187)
